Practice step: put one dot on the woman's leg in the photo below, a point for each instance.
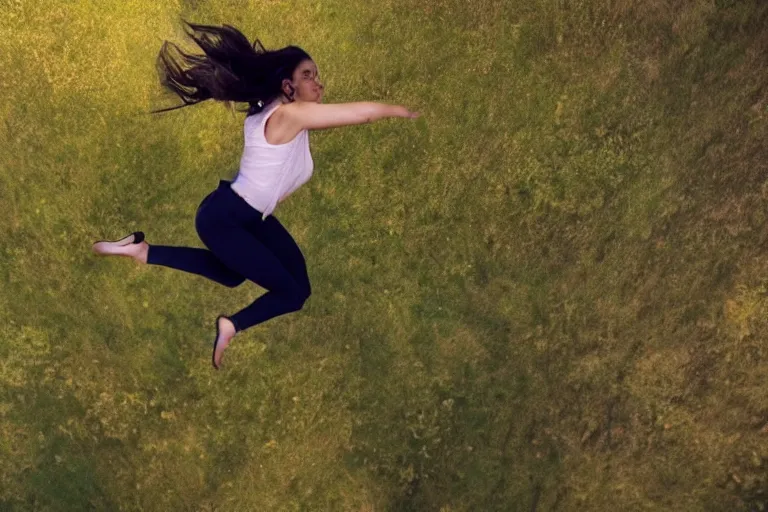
(242, 251)
(283, 298)
(195, 261)
(281, 243)
(261, 251)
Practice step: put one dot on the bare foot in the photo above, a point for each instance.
(124, 247)
(226, 333)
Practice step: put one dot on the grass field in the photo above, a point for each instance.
(550, 292)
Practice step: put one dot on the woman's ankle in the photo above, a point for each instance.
(142, 255)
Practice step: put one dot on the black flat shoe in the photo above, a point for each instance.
(138, 237)
(216, 341)
(106, 247)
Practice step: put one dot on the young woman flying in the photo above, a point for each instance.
(235, 221)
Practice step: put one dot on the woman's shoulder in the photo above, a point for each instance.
(278, 121)
(264, 112)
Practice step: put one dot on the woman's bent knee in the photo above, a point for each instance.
(297, 301)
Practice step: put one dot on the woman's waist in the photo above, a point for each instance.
(247, 189)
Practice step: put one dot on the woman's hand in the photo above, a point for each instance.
(408, 114)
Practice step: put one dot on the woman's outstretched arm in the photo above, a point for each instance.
(318, 116)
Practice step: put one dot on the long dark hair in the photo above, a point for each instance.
(232, 69)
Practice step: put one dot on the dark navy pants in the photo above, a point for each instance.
(242, 246)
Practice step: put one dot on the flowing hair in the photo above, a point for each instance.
(231, 70)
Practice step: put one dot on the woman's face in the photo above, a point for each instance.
(306, 82)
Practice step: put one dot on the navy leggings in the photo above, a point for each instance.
(242, 246)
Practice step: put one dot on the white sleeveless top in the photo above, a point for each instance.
(271, 172)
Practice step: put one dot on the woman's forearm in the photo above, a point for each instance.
(374, 111)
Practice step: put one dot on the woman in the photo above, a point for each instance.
(235, 221)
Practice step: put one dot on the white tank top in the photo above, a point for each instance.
(271, 172)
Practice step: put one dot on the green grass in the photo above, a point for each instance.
(547, 293)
